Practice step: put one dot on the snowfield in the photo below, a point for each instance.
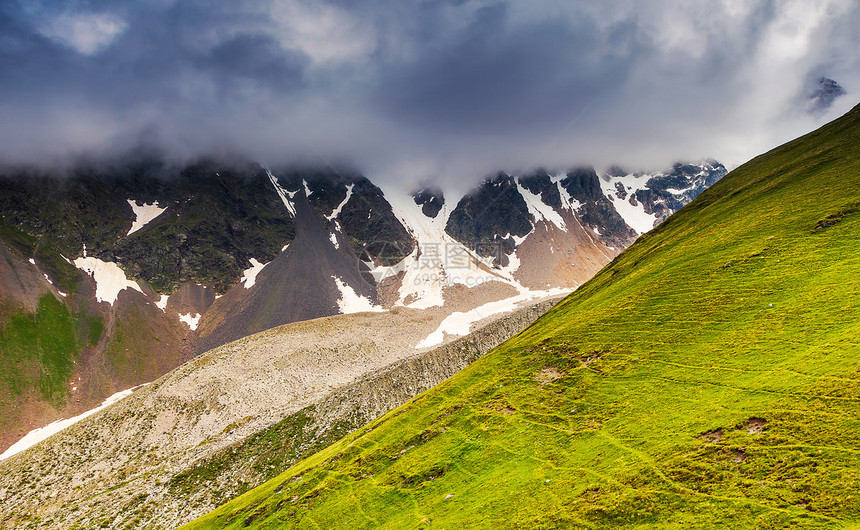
(352, 302)
(143, 214)
(635, 216)
(109, 278)
(249, 275)
(437, 262)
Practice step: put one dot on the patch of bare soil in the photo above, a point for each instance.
(713, 436)
(754, 425)
(548, 374)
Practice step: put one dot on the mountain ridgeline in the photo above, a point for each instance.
(707, 377)
(114, 273)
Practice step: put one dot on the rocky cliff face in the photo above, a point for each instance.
(211, 218)
(666, 193)
(490, 217)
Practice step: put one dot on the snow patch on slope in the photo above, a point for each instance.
(162, 302)
(540, 210)
(143, 214)
(37, 435)
(109, 278)
(336, 211)
(460, 323)
(333, 235)
(567, 200)
(634, 216)
(352, 302)
(249, 275)
(286, 196)
(190, 320)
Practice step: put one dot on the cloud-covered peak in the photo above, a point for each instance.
(825, 93)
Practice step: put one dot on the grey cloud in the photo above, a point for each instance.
(416, 90)
(495, 78)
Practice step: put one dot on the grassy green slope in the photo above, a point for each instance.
(709, 376)
(38, 352)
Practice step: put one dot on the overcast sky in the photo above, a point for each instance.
(418, 89)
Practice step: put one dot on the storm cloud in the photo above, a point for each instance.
(422, 90)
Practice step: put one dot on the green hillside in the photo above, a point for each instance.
(709, 376)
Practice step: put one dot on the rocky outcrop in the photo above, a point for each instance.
(431, 200)
(486, 219)
(595, 210)
(349, 203)
(668, 192)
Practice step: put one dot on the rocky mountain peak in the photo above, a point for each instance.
(824, 93)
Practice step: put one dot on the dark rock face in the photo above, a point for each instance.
(367, 220)
(372, 228)
(596, 211)
(59, 211)
(668, 192)
(541, 184)
(327, 186)
(583, 184)
(430, 199)
(483, 218)
(218, 217)
(223, 216)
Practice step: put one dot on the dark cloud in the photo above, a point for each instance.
(493, 77)
(417, 90)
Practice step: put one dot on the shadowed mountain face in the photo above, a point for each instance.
(491, 215)
(212, 219)
(296, 285)
(114, 273)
